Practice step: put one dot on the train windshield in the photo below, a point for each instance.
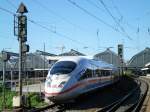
(63, 67)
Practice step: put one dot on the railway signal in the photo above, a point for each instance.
(120, 50)
(25, 48)
(120, 54)
(20, 30)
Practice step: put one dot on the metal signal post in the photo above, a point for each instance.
(22, 38)
(120, 54)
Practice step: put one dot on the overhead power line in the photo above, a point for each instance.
(11, 4)
(122, 29)
(44, 27)
(117, 10)
(122, 18)
(97, 18)
(5, 10)
(95, 5)
(57, 33)
(87, 12)
(58, 15)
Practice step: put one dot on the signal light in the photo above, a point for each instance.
(120, 50)
(25, 48)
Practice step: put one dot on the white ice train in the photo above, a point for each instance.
(72, 76)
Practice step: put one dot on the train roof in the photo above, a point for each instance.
(89, 62)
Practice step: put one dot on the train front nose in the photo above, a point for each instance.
(54, 89)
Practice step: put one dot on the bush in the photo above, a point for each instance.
(35, 100)
(8, 98)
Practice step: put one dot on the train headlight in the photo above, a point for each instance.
(62, 84)
(48, 78)
(48, 84)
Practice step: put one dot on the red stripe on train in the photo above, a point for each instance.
(73, 87)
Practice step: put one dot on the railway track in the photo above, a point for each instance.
(50, 108)
(132, 102)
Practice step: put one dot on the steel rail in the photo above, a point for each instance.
(115, 105)
(44, 108)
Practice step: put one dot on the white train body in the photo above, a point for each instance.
(72, 76)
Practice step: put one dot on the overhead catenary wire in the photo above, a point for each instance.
(122, 18)
(97, 18)
(55, 32)
(122, 29)
(46, 28)
(84, 10)
(50, 11)
(8, 11)
(95, 5)
(117, 10)
(10, 2)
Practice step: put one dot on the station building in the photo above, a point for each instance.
(139, 60)
(109, 56)
(36, 65)
(72, 52)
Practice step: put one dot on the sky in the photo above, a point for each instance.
(88, 26)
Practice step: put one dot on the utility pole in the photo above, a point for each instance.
(21, 27)
(5, 57)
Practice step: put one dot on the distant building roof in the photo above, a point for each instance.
(35, 60)
(12, 53)
(44, 53)
(140, 59)
(105, 52)
(72, 52)
(109, 56)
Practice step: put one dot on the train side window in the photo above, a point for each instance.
(87, 74)
(102, 73)
(107, 73)
(98, 72)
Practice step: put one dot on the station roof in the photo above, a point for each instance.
(106, 51)
(44, 53)
(147, 65)
(110, 57)
(72, 52)
(140, 59)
